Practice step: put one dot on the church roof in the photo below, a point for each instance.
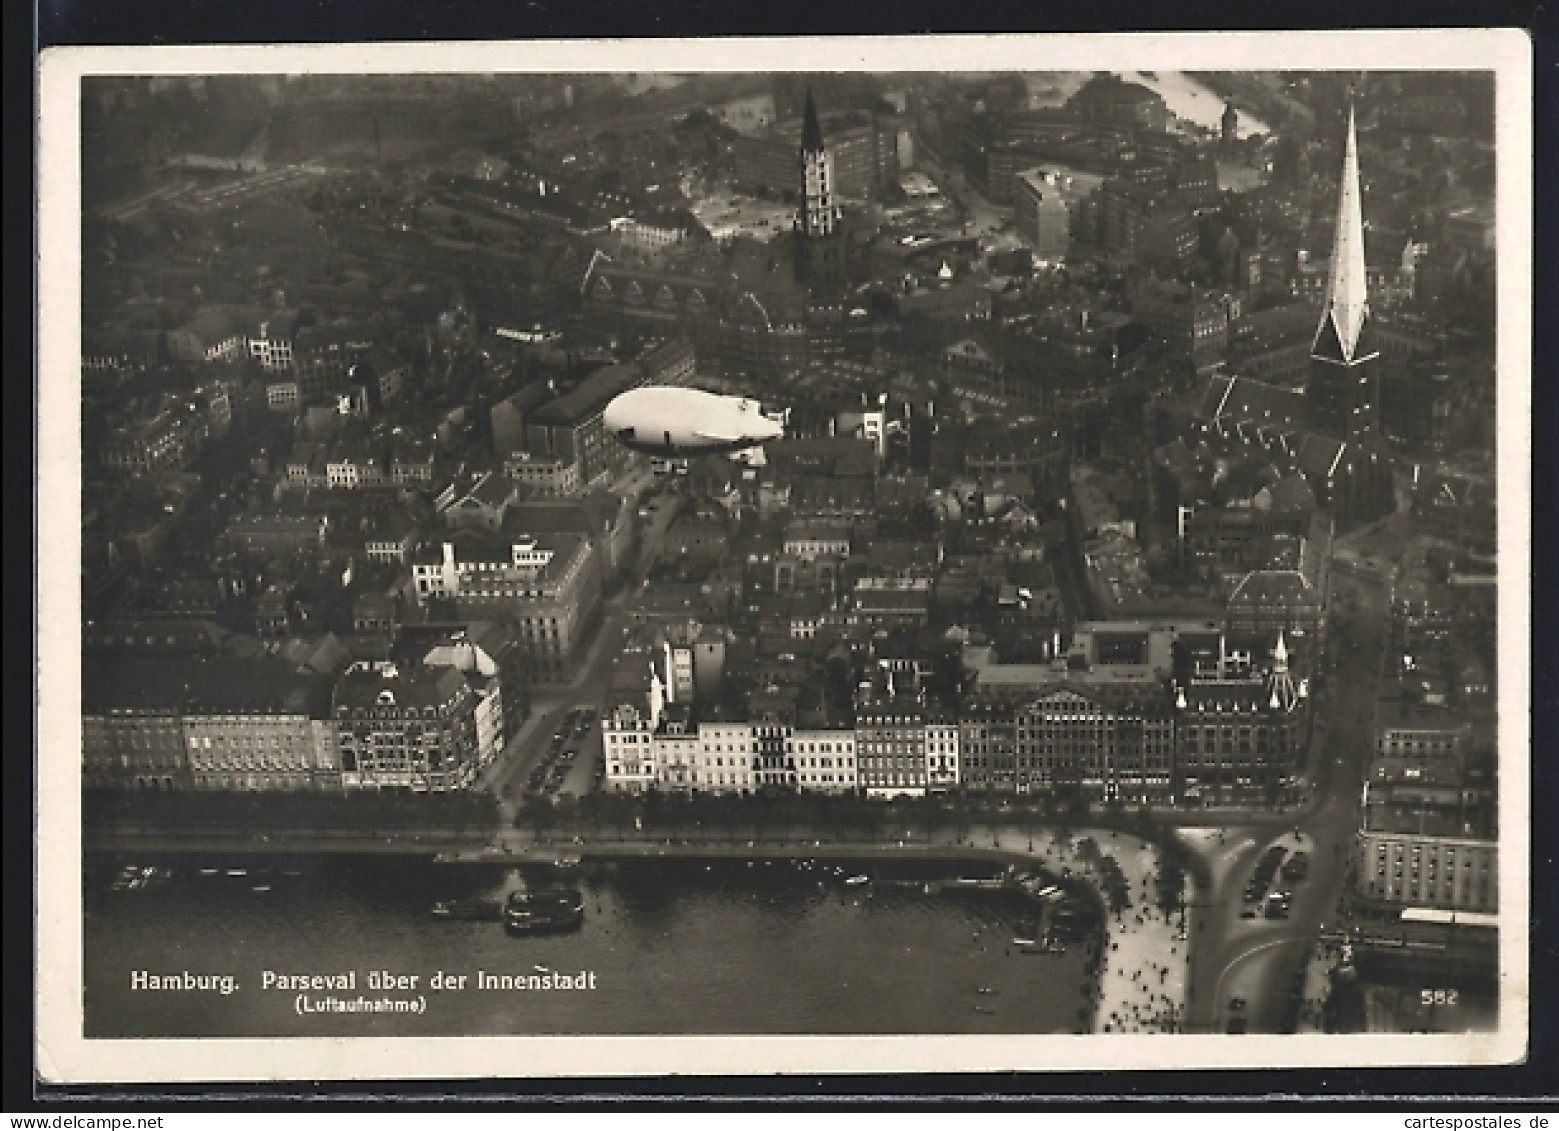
(1269, 587)
(1319, 456)
(1292, 493)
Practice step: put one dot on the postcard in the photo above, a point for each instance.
(924, 554)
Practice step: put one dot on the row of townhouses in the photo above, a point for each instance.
(1169, 729)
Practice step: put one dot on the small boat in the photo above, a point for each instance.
(238, 871)
(986, 990)
(855, 881)
(209, 871)
(261, 887)
(1024, 942)
(482, 910)
(984, 1009)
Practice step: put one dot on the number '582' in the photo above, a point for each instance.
(1437, 997)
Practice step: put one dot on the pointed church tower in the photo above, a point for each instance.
(1282, 693)
(818, 214)
(1344, 389)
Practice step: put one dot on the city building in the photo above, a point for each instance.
(1138, 225)
(864, 157)
(274, 354)
(824, 759)
(808, 539)
(479, 503)
(942, 758)
(630, 716)
(1077, 744)
(263, 535)
(550, 587)
(1242, 736)
(728, 756)
(167, 441)
(890, 741)
(988, 746)
(484, 676)
(215, 334)
(568, 429)
(1191, 320)
(406, 728)
(191, 721)
(353, 467)
(1042, 214)
(1108, 99)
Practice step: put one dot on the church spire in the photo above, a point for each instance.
(1347, 303)
(811, 131)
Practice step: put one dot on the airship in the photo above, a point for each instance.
(668, 421)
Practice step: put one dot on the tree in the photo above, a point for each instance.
(538, 813)
(1170, 883)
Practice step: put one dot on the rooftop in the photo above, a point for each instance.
(366, 685)
(590, 396)
(200, 685)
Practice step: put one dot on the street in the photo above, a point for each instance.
(1259, 959)
(550, 703)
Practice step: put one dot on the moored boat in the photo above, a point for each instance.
(544, 912)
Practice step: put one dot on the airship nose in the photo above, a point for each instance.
(613, 418)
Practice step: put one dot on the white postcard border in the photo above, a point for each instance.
(63, 1055)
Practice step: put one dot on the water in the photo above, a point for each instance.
(1190, 101)
(1184, 96)
(673, 946)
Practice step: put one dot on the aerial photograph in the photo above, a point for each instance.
(739, 553)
